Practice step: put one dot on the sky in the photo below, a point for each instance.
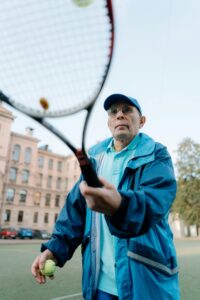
(157, 61)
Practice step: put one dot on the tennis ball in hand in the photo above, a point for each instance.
(82, 3)
(49, 268)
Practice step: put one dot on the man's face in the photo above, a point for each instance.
(124, 121)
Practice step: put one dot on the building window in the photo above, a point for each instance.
(22, 196)
(47, 199)
(20, 216)
(40, 161)
(59, 166)
(16, 152)
(27, 155)
(39, 179)
(58, 183)
(7, 215)
(49, 181)
(25, 176)
(46, 218)
(35, 217)
(10, 194)
(13, 174)
(57, 201)
(37, 198)
(50, 164)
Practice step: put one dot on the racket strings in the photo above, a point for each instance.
(55, 50)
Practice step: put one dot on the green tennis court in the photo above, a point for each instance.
(17, 283)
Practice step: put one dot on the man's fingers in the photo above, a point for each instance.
(42, 261)
(87, 190)
(35, 270)
(34, 267)
(105, 183)
(39, 263)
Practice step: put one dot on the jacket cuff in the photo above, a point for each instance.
(56, 248)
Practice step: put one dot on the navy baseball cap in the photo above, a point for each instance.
(115, 98)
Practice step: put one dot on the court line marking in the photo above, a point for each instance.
(67, 296)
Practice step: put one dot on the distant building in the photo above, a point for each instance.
(34, 181)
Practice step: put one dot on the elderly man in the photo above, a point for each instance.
(127, 245)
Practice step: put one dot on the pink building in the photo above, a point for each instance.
(34, 181)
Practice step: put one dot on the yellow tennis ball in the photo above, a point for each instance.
(82, 3)
(44, 103)
(49, 268)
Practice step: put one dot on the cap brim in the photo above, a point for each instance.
(114, 98)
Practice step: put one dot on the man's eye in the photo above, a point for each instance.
(127, 110)
(113, 111)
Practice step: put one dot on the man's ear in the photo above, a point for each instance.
(142, 121)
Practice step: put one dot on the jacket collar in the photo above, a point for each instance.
(143, 154)
(145, 146)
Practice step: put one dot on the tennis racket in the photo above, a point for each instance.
(54, 61)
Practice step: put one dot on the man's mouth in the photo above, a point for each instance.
(121, 125)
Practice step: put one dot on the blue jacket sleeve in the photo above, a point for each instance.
(69, 227)
(149, 202)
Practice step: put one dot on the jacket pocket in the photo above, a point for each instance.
(152, 258)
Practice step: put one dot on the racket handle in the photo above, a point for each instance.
(88, 172)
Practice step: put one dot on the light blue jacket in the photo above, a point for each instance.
(146, 265)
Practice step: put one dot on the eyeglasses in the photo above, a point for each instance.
(126, 110)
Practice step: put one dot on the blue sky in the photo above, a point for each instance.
(157, 61)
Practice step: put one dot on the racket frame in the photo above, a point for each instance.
(87, 169)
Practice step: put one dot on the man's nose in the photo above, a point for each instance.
(120, 113)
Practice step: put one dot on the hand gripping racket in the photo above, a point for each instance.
(54, 60)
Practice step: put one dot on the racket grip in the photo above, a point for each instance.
(88, 172)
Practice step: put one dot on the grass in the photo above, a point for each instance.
(17, 283)
(188, 251)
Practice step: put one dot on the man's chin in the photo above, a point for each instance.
(122, 138)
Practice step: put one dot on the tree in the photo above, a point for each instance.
(187, 203)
